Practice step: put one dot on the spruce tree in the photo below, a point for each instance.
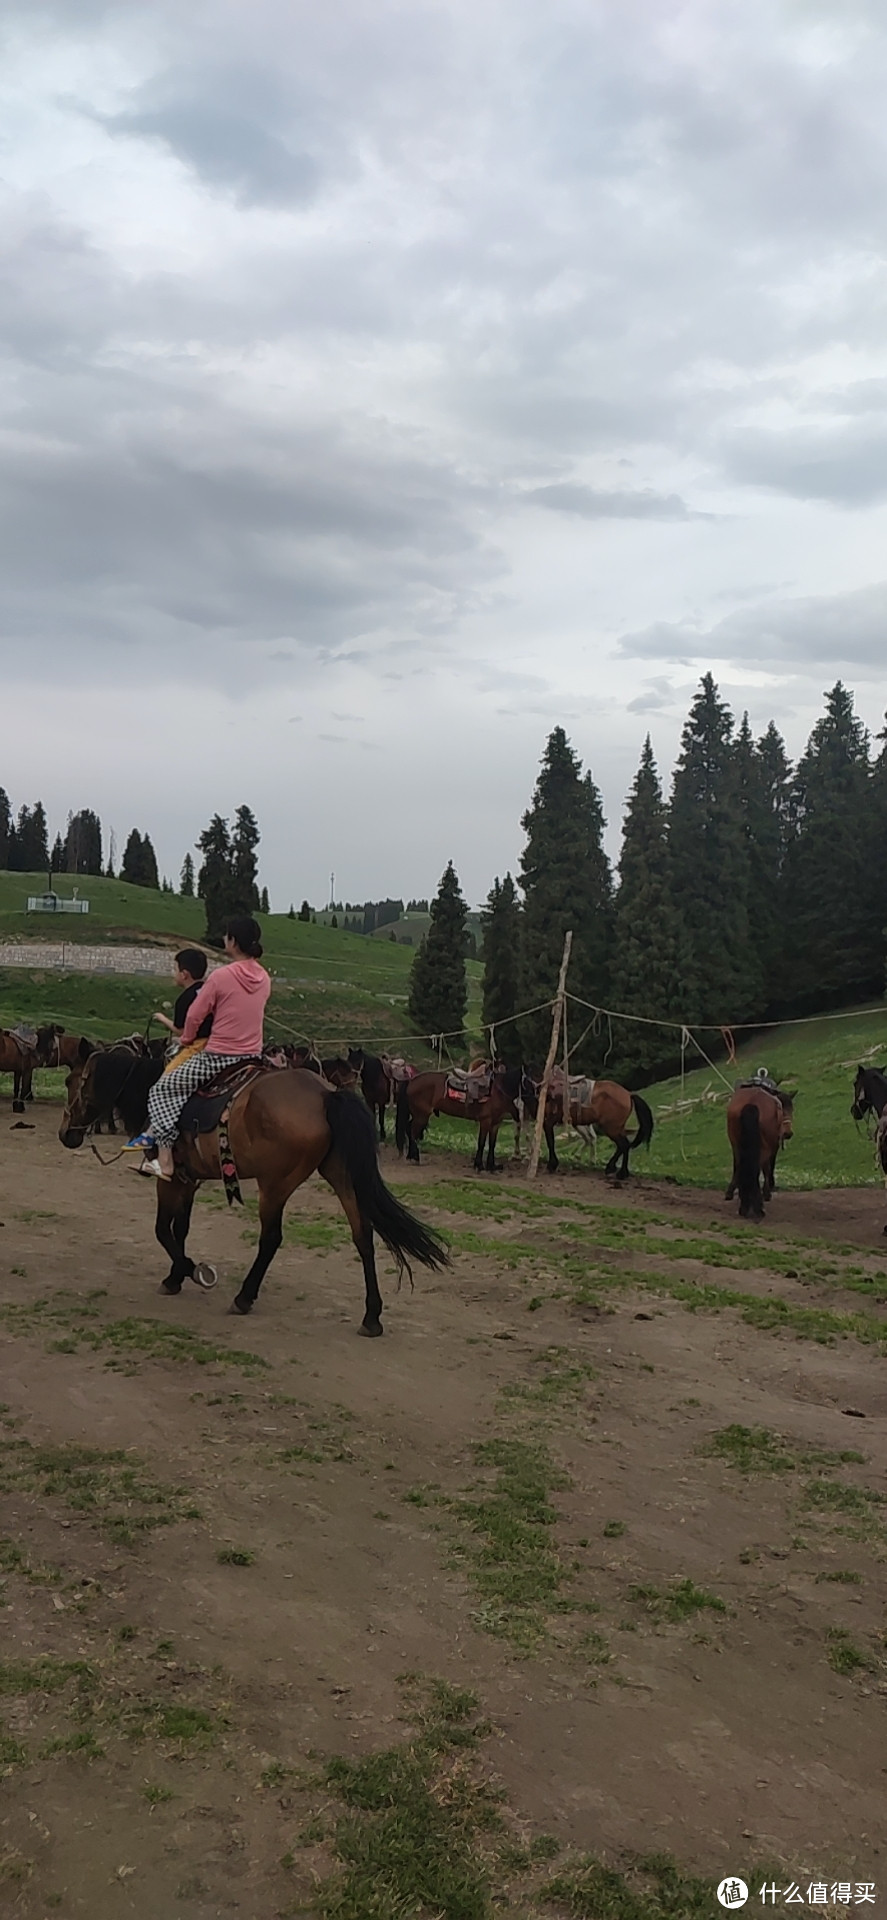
(834, 914)
(32, 848)
(57, 856)
(5, 827)
(438, 997)
(763, 778)
(648, 952)
(501, 922)
(83, 844)
(567, 883)
(304, 912)
(131, 865)
(214, 880)
(244, 895)
(149, 876)
(709, 865)
(186, 878)
(263, 901)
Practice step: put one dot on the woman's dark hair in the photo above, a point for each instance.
(246, 934)
(192, 961)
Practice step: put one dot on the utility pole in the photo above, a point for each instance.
(556, 1018)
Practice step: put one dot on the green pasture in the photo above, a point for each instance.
(330, 986)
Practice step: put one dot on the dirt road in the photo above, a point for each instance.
(614, 1473)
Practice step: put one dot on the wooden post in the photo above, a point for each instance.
(533, 1164)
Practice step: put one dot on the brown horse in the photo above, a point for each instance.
(336, 1070)
(376, 1082)
(282, 1127)
(429, 1093)
(19, 1059)
(759, 1121)
(603, 1107)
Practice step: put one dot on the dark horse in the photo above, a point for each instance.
(429, 1093)
(20, 1059)
(601, 1106)
(339, 1072)
(869, 1092)
(282, 1127)
(375, 1081)
(758, 1123)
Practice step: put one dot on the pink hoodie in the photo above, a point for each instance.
(235, 996)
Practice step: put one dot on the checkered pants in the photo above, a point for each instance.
(169, 1094)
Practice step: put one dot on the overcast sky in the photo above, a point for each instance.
(383, 384)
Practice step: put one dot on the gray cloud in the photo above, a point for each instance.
(846, 465)
(596, 503)
(237, 129)
(844, 630)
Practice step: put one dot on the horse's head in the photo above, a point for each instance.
(861, 1104)
(81, 1110)
(46, 1052)
(787, 1103)
(355, 1058)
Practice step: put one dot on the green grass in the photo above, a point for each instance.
(109, 1488)
(758, 1450)
(508, 1546)
(235, 1557)
(677, 1602)
(329, 985)
(78, 1317)
(844, 1656)
(649, 1888)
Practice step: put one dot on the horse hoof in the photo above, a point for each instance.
(373, 1331)
(205, 1275)
(236, 1307)
(171, 1287)
(18, 1106)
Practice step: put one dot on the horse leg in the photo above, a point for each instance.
(491, 1150)
(21, 1087)
(482, 1134)
(730, 1192)
(381, 1107)
(618, 1161)
(549, 1142)
(414, 1135)
(175, 1198)
(362, 1234)
(271, 1205)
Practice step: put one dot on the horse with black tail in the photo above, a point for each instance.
(759, 1122)
(278, 1128)
(593, 1107)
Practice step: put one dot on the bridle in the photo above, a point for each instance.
(123, 1046)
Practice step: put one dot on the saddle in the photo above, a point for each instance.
(203, 1112)
(398, 1069)
(758, 1086)
(24, 1036)
(581, 1091)
(465, 1087)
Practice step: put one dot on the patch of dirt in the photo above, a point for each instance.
(734, 1733)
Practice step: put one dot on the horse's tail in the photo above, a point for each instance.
(645, 1122)
(749, 1168)
(402, 1118)
(354, 1140)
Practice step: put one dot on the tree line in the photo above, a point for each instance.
(756, 890)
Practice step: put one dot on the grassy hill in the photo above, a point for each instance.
(333, 986)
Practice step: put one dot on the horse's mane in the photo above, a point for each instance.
(121, 1082)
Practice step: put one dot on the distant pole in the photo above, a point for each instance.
(557, 1016)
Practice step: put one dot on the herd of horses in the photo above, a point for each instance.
(281, 1126)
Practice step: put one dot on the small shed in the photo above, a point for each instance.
(53, 903)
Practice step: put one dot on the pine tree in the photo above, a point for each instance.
(501, 922)
(214, 880)
(834, 913)
(763, 778)
(244, 865)
(567, 883)
(438, 997)
(5, 827)
(149, 874)
(291, 915)
(648, 954)
(57, 856)
(131, 865)
(709, 865)
(304, 911)
(83, 844)
(263, 902)
(31, 847)
(186, 879)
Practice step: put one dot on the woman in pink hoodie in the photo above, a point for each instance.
(234, 998)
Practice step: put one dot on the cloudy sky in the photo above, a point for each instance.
(384, 383)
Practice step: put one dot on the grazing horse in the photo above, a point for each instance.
(20, 1059)
(759, 1121)
(603, 1107)
(869, 1092)
(429, 1093)
(282, 1127)
(376, 1082)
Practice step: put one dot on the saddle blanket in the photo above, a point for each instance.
(469, 1086)
(398, 1069)
(23, 1035)
(203, 1112)
(581, 1089)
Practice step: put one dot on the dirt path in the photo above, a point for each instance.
(161, 1708)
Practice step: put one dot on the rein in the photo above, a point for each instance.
(90, 1129)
